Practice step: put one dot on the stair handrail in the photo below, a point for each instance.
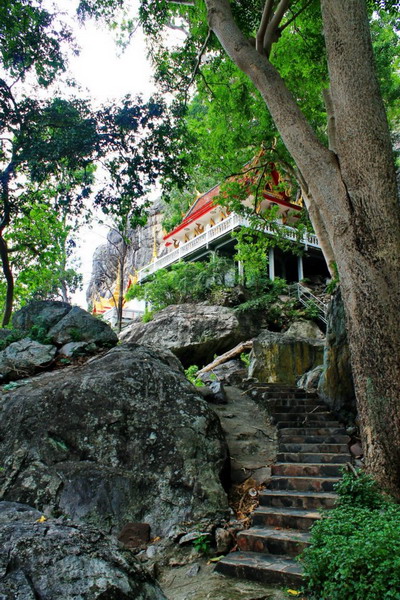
(304, 295)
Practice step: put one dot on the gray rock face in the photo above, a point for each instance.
(59, 560)
(4, 334)
(305, 330)
(74, 349)
(57, 322)
(42, 313)
(336, 386)
(120, 439)
(79, 324)
(137, 254)
(193, 332)
(231, 372)
(277, 358)
(23, 358)
(310, 380)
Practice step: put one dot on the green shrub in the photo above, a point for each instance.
(355, 548)
(14, 336)
(202, 544)
(39, 334)
(191, 374)
(361, 490)
(245, 358)
(184, 282)
(311, 310)
(148, 316)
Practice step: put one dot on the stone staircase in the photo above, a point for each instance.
(312, 447)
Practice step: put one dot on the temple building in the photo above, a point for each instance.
(209, 227)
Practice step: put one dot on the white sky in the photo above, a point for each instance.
(105, 76)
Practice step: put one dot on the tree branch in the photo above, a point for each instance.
(293, 17)
(199, 56)
(272, 32)
(182, 2)
(265, 19)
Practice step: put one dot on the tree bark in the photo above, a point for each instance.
(353, 192)
(120, 304)
(4, 255)
(9, 281)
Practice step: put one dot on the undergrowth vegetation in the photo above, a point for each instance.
(184, 282)
(355, 549)
(215, 281)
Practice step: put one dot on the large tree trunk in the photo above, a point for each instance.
(355, 190)
(4, 256)
(9, 281)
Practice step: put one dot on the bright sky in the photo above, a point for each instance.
(105, 76)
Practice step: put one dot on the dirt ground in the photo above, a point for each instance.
(198, 581)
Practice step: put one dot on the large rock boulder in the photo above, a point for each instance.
(60, 560)
(304, 329)
(193, 332)
(123, 438)
(23, 358)
(40, 313)
(79, 326)
(278, 358)
(43, 329)
(62, 323)
(336, 386)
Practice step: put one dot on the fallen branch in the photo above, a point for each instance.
(242, 347)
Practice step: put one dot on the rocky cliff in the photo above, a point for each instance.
(136, 254)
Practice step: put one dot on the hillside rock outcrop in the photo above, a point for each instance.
(279, 358)
(23, 358)
(123, 438)
(48, 330)
(136, 254)
(58, 559)
(193, 332)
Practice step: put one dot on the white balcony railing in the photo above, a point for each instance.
(201, 241)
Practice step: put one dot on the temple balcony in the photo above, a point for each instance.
(214, 238)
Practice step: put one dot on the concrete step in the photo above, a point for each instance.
(266, 396)
(286, 438)
(304, 457)
(303, 484)
(278, 387)
(297, 499)
(314, 447)
(312, 427)
(300, 403)
(272, 541)
(307, 469)
(303, 408)
(289, 518)
(302, 416)
(261, 567)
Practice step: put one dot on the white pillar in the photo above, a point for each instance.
(300, 269)
(240, 272)
(271, 264)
